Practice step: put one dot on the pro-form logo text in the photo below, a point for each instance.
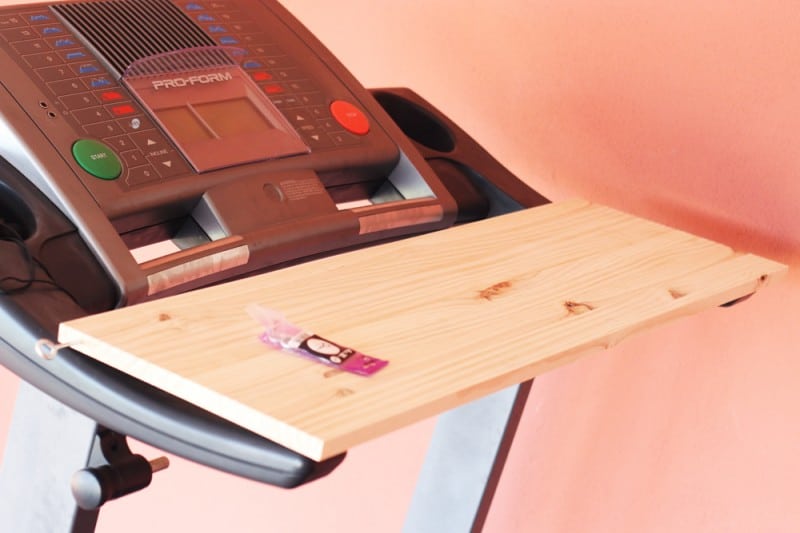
(173, 83)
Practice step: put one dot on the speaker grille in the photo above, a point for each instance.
(122, 31)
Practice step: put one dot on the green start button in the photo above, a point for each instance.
(97, 159)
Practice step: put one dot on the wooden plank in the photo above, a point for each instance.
(459, 313)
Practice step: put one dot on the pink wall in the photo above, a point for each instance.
(682, 112)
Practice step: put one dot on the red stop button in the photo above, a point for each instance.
(350, 117)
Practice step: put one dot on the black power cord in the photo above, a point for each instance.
(8, 233)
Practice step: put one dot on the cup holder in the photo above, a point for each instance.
(15, 214)
(416, 122)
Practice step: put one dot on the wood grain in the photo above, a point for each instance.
(459, 314)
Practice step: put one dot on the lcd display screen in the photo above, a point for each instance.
(213, 120)
(232, 117)
(183, 124)
(217, 117)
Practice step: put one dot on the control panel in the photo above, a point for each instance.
(220, 125)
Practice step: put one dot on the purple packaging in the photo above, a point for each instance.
(281, 333)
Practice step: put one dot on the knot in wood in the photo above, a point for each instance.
(577, 308)
(494, 290)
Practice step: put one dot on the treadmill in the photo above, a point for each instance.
(224, 136)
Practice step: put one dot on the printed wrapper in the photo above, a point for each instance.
(282, 334)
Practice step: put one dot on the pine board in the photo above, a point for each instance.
(459, 314)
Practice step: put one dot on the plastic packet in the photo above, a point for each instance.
(282, 334)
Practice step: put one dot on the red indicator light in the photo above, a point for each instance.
(273, 89)
(122, 110)
(262, 76)
(111, 96)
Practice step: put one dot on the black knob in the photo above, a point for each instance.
(92, 487)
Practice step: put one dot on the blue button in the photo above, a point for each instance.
(98, 83)
(228, 40)
(61, 43)
(252, 63)
(194, 7)
(88, 69)
(39, 17)
(205, 18)
(75, 55)
(51, 30)
(217, 29)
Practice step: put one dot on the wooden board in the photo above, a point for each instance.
(459, 313)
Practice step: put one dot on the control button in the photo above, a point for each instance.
(228, 40)
(299, 117)
(137, 124)
(205, 17)
(122, 110)
(38, 17)
(91, 115)
(343, 139)
(111, 96)
(328, 124)
(99, 83)
(140, 175)
(133, 158)
(103, 129)
(65, 87)
(273, 88)
(64, 42)
(11, 21)
(31, 47)
(252, 63)
(169, 165)
(97, 159)
(52, 30)
(284, 101)
(262, 76)
(88, 68)
(319, 112)
(19, 34)
(246, 27)
(54, 73)
(216, 28)
(43, 60)
(194, 6)
(311, 99)
(287, 73)
(121, 142)
(150, 141)
(79, 101)
(350, 117)
(302, 86)
(277, 61)
(318, 140)
(74, 55)
(266, 50)
(253, 38)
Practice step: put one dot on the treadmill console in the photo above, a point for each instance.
(220, 127)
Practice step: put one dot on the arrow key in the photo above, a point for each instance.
(317, 140)
(149, 140)
(169, 164)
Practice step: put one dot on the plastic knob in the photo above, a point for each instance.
(92, 487)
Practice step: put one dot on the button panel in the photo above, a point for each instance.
(296, 95)
(100, 109)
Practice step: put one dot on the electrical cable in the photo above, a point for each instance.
(9, 234)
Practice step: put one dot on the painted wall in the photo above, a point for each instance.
(682, 112)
